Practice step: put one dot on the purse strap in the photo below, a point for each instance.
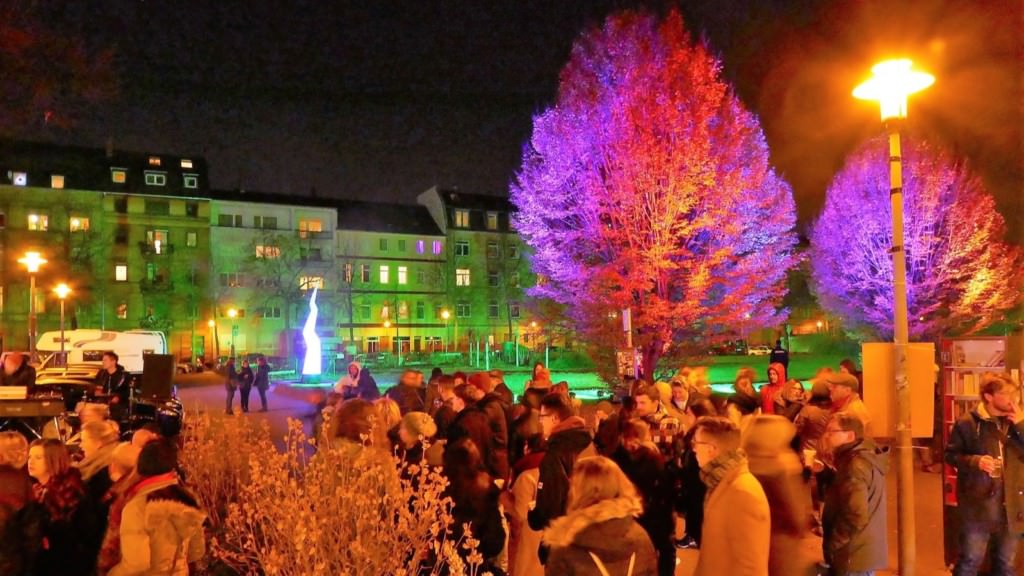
(604, 571)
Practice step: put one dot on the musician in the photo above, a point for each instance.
(114, 380)
(17, 371)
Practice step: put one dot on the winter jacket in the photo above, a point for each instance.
(524, 542)
(25, 375)
(262, 379)
(736, 532)
(16, 527)
(366, 387)
(854, 516)
(607, 530)
(473, 423)
(160, 535)
(645, 468)
(568, 441)
(854, 405)
(408, 398)
(117, 383)
(499, 414)
(95, 508)
(983, 500)
(811, 423)
(63, 549)
(246, 377)
(770, 392)
(347, 385)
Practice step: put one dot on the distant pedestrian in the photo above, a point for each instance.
(987, 448)
(855, 539)
(262, 381)
(779, 355)
(245, 380)
(230, 385)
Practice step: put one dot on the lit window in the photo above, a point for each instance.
(122, 311)
(19, 178)
(462, 248)
(190, 181)
(310, 282)
(121, 273)
(437, 247)
(307, 225)
(348, 272)
(403, 310)
(56, 181)
(269, 252)
(462, 277)
(118, 175)
(383, 244)
(420, 246)
(492, 220)
(186, 163)
(79, 224)
(492, 250)
(38, 222)
(462, 218)
(154, 160)
(384, 274)
(364, 272)
(191, 239)
(462, 310)
(156, 179)
(385, 311)
(403, 275)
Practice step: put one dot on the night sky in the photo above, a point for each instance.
(382, 99)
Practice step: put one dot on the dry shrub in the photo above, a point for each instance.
(300, 511)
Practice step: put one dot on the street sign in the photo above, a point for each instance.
(625, 361)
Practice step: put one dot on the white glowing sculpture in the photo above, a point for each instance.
(311, 365)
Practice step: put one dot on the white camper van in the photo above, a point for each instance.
(88, 346)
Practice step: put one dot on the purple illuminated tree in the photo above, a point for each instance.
(647, 185)
(960, 274)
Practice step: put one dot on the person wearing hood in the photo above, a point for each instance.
(854, 518)
(771, 393)
(161, 524)
(348, 384)
(568, 440)
(987, 448)
(599, 533)
(777, 467)
(736, 531)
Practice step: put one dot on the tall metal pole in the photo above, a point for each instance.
(904, 453)
(32, 317)
(63, 359)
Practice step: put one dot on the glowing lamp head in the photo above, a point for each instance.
(891, 83)
(387, 323)
(820, 323)
(232, 313)
(446, 314)
(62, 291)
(211, 323)
(32, 261)
(533, 325)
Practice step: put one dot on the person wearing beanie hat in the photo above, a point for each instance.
(844, 389)
(412, 431)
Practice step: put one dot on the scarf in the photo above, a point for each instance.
(126, 488)
(718, 468)
(61, 495)
(96, 462)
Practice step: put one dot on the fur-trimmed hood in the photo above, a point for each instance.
(172, 517)
(585, 527)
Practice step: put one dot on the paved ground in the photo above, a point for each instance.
(202, 392)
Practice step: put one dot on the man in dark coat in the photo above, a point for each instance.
(779, 355)
(116, 382)
(987, 448)
(500, 388)
(500, 415)
(854, 518)
(262, 380)
(568, 440)
(17, 372)
(408, 394)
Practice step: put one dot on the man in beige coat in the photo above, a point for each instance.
(737, 525)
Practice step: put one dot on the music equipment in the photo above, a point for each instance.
(13, 392)
(157, 376)
(48, 407)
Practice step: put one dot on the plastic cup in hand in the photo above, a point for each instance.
(809, 455)
(997, 468)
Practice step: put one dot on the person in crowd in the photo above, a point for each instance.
(643, 464)
(524, 542)
(692, 489)
(351, 426)
(677, 404)
(460, 378)
(161, 526)
(114, 380)
(415, 429)
(367, 387)
(844, 390)
(847, 366)
(409, 395)
(231, 381)
(58, 494)
(99, 439)
(473, 423)
(567, 440)
(449, 407)
(778, 469)
(124, 476)
(500, 388)
(245, 379)
(771, 393)
(261, 381)
(16, 529)
(17, 371)
(791, 400)
(385, 429)
(348, 385)
(474, 502)
(854, 517)
(540, 377)
(779, 355)
(813, 417)
(744, 403)
(599, 533)
(144, 436)
(499, 414)
(609, 429)
(649, 407)
(433, 396)
(986, 446)
(735, 504)
(529, 401)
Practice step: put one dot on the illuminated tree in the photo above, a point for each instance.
(647, 185)
(960, 274)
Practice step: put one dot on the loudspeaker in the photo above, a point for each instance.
(157, 375)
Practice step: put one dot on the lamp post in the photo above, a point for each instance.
(212, 324)
(62, 290)
(446, 315)
(892, 82)
(32, 261)
(233, 314)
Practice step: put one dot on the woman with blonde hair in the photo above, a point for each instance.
(385, 431)
(599, 533)
(99, 440)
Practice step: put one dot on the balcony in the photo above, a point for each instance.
(148, 249)
(310, 235)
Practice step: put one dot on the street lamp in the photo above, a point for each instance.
(233, 314)
(62, 290)
(32, 261)
(446, 315)
(892, 82)
(212, 325)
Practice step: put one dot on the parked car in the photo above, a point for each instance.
(760, 350)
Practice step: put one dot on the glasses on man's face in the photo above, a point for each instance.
(543, 415)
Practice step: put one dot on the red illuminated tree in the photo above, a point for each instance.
(961, 276)
(647, 185)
